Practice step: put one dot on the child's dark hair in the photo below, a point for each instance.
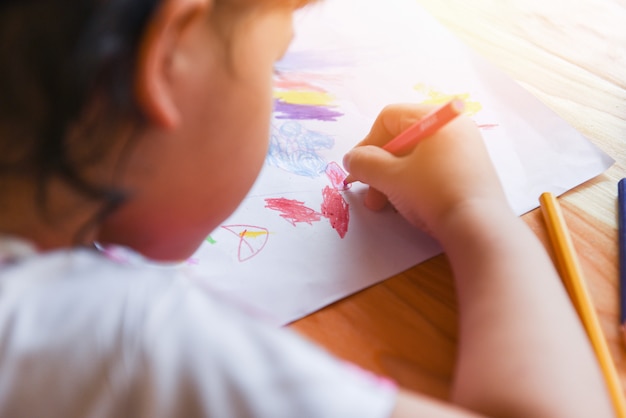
(58, 57)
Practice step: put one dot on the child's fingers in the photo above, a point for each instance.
(393, 120)
(369, 164)
(375, 200)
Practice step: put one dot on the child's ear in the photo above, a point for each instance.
(156, 49)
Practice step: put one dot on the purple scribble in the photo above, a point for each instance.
(284, 110)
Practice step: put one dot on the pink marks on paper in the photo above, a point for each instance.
(334, 208)
(293, 211)
(336, 175)
(117, 254)
(488, 126)
(287, 82)
(252, 240)
(193, 261)
(337, 210)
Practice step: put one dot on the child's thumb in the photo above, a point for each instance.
(368, 164)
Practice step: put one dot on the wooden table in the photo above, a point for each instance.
(572, 55)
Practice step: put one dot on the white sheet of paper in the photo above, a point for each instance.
(342, 68)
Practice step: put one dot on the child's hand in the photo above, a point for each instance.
(444, 173)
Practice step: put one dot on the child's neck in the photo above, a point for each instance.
(61, 223)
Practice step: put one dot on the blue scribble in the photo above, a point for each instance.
(295, 149)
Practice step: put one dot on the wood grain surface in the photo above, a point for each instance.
(571, 54)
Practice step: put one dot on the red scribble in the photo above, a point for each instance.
(337, 210)
(293, 211)
(336, 175)
(252, 240)
(296, 85)
(301, 81)
(488, 126)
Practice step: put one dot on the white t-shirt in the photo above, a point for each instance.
(83, 336)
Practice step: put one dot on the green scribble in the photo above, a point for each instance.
(210, 240)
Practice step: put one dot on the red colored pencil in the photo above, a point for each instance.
(425, 127)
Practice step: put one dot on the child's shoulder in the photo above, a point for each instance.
(77, 322)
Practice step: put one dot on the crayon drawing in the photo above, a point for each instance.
(296, 149)
(337, 210)
(340, 71)
(252, 240)
(336, 176)
(333, 207)
(293, 211)
(301, 96)
(436, 97)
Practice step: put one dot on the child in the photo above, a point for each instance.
(119, 122)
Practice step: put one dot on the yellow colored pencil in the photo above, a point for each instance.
(571, 274)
